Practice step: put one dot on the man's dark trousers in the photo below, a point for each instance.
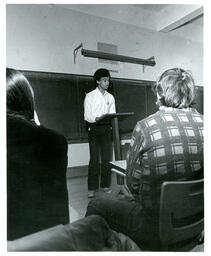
(100, 145)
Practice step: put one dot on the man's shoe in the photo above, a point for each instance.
(91, 193)
(106, 190)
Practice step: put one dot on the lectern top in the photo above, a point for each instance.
(108, 117)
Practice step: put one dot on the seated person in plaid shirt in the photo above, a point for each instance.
(167, 145)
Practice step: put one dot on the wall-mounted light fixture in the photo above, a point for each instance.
(109, 56)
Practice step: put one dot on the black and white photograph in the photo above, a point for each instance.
(104, 127)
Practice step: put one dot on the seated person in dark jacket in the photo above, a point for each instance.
(167, 145)
(87, 234)
(36, 165)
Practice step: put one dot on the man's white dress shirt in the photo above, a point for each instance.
(97, 104)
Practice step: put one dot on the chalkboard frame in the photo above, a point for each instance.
(84, 83)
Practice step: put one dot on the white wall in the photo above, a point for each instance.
(78, 154)
(43, 37)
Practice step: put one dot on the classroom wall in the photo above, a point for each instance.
(43, 37)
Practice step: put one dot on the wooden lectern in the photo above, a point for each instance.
(113, 119)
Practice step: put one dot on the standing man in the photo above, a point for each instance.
(97, 103)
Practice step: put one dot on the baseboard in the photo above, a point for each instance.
(77, 171)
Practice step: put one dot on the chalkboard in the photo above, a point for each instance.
(199, 99)
(130, 97)
(59, 101)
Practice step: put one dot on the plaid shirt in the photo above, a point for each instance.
(167, 145)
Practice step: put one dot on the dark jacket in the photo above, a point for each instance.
(36, 178)
(91, 233)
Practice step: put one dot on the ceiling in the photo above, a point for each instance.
(151, 7)
(179, 20)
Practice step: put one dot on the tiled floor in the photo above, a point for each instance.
(77, 193)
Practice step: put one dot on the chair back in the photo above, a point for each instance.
(181, 211)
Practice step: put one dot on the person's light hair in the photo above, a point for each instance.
(175, 88)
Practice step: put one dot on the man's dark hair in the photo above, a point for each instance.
(102, 72)
(20, 96)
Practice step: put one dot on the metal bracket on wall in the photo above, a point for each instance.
(76, 51)
(109, 56)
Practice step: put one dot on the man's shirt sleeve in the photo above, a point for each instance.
(89, 115)
(134, 160)
(112, 108)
